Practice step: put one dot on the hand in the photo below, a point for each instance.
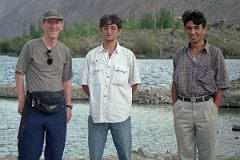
(217, 105)
(174, 101)
(20, 107)
(69, 114)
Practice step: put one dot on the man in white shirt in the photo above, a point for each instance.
(110, 77)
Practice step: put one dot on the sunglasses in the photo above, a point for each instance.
(50, 58)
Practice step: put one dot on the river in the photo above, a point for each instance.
(152, 129)
(153, 72)
(152, 126)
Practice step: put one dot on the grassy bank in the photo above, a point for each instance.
(149, 37)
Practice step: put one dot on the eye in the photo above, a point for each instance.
(188, 28)
(197, 27)
(114, 28)
(105, 28)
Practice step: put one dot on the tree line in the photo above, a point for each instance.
(164, 34)
(161, 19)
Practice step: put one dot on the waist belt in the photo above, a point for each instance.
(195, 99)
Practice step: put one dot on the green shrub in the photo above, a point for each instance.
(164, 18)
(18, 42)
(232, 50)
(163, 34)
(146, 46)
(147, 21)
(34, 32)
(5, 47)
(80, 29)
(72, 43)
(216, 40)
(131, 25)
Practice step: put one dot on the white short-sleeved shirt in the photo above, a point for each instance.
(110, 80)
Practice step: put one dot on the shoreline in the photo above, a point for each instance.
(136, 155)
(144, 95)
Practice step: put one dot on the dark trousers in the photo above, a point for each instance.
(35, 127)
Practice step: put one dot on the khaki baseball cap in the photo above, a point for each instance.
(53, 13)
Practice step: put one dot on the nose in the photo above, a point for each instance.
(192, 31)
(53, 24)
(109, 30)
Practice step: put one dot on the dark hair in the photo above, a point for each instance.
(196, 16)
(109, 20)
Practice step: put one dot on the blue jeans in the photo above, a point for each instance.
(34, 127)
(121, 134)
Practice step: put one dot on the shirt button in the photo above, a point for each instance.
(107, 76)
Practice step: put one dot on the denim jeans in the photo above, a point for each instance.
(34, 127)
(121, 134)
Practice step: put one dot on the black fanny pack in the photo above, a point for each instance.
(47, 101)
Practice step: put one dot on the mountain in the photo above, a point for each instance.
(17, 15)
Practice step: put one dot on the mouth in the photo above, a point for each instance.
(108, 36)
(193, 37)
(53, 30)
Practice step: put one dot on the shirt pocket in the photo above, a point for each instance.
(96, 75)
(205, 75)
(120, 75)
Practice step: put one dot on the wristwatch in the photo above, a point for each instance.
(69, 106)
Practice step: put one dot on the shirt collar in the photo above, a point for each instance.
(206, 47)
(117, 50)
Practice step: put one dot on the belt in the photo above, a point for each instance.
(195, 99)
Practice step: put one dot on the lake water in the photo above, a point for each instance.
(152, 126)
(153, 72)
(152, 129)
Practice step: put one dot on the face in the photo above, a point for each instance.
(110, 32)
(52, 28)
(195, 32)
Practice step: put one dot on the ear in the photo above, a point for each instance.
(62, 26)
(205, 30)
(119, 31)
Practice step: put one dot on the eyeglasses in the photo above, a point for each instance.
(112, 28)
(50, 58)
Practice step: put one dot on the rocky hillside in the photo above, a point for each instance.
(17, 15)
